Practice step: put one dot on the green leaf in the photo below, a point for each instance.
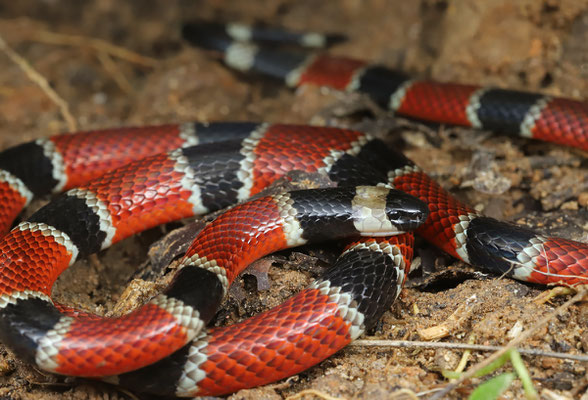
(499, 362)
(491, 389)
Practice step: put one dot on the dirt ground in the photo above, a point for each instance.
(536, 45)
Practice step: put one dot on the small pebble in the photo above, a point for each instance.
(515, 331)
(583, 199)
(569, 205)
(445, 359)
(99, 98)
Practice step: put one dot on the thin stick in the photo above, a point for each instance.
(110, 67)
(525, 335)
(463, 312)
(37, 78)
(463, 346)
(97, 44)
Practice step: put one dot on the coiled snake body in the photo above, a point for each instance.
(152, 175)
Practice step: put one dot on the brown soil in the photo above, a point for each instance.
(526, 44)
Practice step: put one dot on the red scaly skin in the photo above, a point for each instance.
(563, 121)
(142, 195)
(273, 153)
(88, 155)
(12, 204)
(235, 360)
(444, 209)
(129, 342)
(330, 71)
(84, 160)
(435, 102)
(249, 231)
(296, 335)
(31, 261)
(561, 261)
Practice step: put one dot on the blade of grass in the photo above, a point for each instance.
(523, 373)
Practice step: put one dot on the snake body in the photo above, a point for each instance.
(532, 115)
(147, 176)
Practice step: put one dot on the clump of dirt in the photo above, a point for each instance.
(530, 45)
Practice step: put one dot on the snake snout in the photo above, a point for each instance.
(406, 212)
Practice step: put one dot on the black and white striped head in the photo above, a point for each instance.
(398, 211)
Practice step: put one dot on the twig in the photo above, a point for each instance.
(547, 295)
(525, 335)
(110, 67)
(37, 78)
(100, 45)
(464, 346)
(463, 312)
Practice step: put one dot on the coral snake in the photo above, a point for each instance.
(148, 176)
